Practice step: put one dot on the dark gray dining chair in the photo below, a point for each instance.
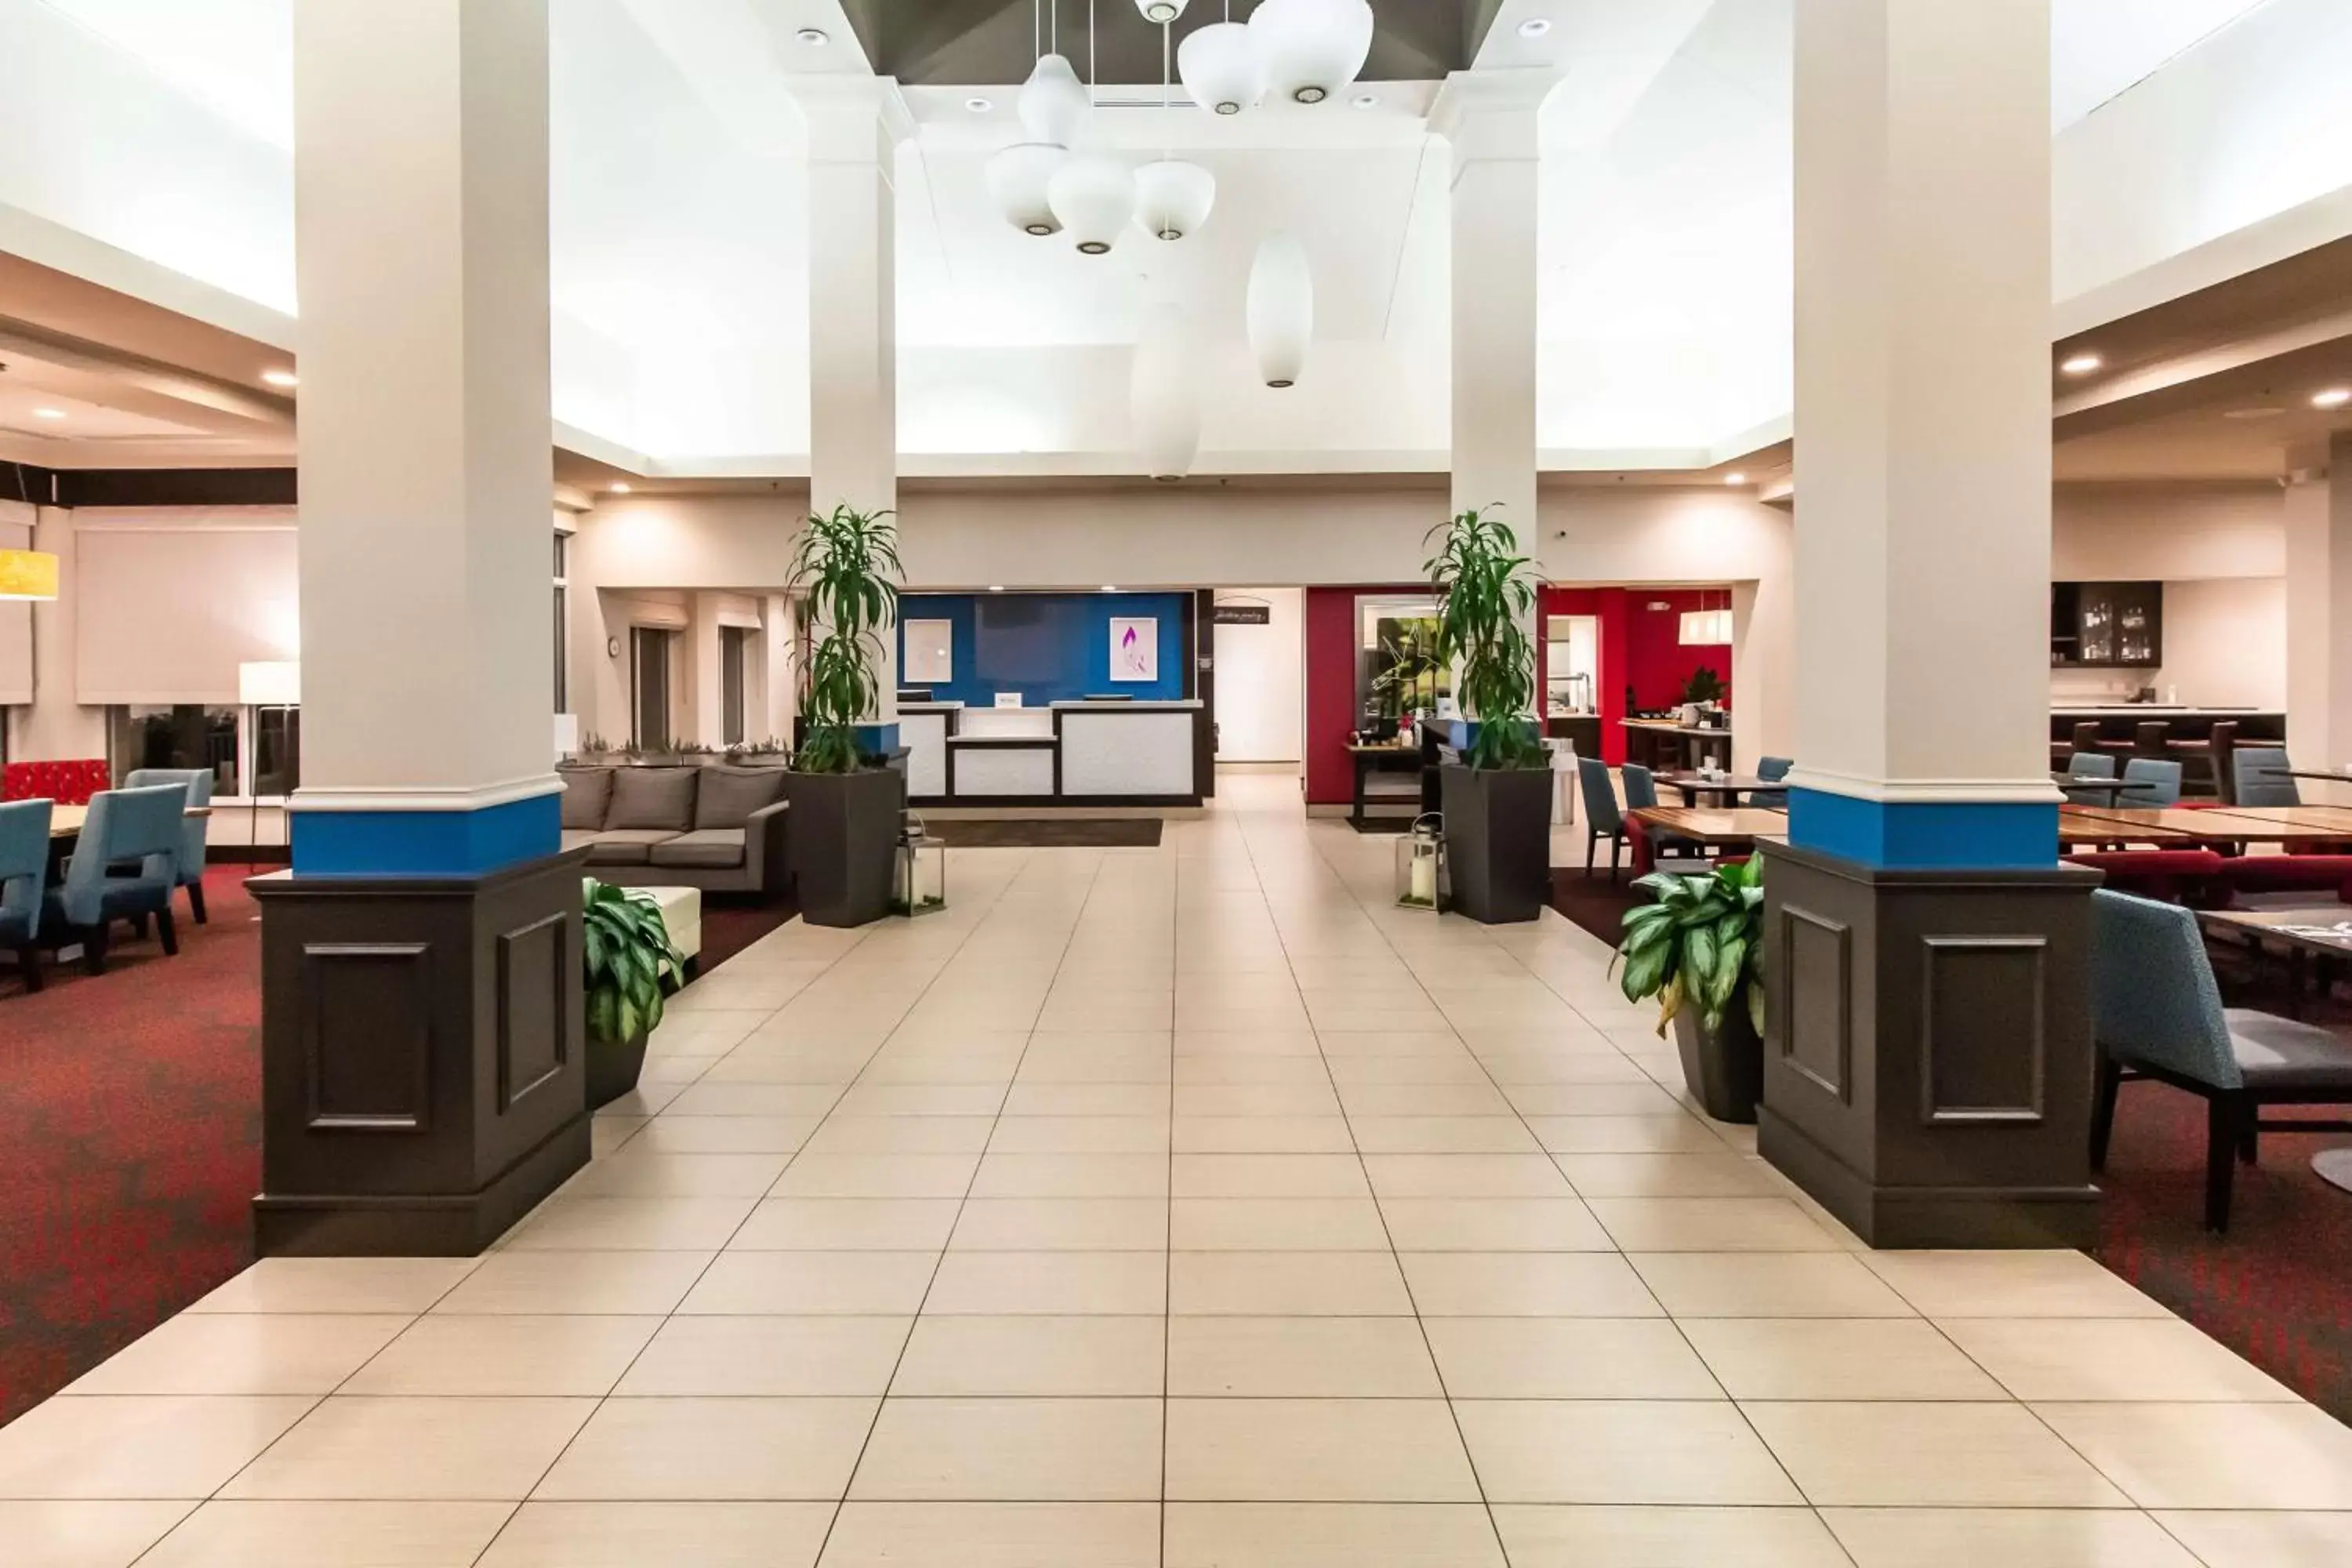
(1773, 769)
(2260, 775)
(2152, 783)
(1602, 817)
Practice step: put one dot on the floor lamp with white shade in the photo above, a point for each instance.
(264, 684)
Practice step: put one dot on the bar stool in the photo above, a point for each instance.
(2209, 758)
(2152, 738)
(2086, 738)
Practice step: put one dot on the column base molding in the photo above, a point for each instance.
(423, 1057)
(1927, 1056)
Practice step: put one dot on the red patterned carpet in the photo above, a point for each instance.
(130, 1135)
(130, 1142)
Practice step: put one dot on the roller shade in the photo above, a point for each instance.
(170, 601)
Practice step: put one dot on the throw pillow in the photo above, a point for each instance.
(729, 795)
(586, 793)
(653, 797)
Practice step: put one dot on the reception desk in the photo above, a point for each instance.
(1069, 753)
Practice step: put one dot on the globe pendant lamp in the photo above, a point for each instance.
(1160, 13)
(1164, 396)
(1053, 104)
(1172, 197)
(1219, 67)
(1018, 177)
(1093, 195)
(1281, 309)
(1309, 50)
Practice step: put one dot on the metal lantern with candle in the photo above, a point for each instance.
(918, 879)
(1420, 864)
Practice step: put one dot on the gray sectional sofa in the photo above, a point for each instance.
(718, 828)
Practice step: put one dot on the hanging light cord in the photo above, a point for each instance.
(1093, 76)
(1167, 142)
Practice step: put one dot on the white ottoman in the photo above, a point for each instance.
(681, 909)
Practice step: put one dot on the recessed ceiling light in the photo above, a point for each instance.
(980, 105)
(620, 486)
(996, 588)
(815, 37)
(1535, 28)
(280, 377)
(2081, 364)
(48, 412)
(2334, 398)
(1365, 100)
(1110, 587)
(2261, 411)
(1735, 478)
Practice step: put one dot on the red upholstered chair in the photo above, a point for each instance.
(2329, 874)
(69, 782)
(2169, 875)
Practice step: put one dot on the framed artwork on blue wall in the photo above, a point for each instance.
(1134, 648)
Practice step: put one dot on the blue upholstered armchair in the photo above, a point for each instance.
(2157, 1013)
(2153, 781)
(2261, 777)
(24, 870)
(2091, 766)
(1772, 769)
(192, 828)
(125, 827)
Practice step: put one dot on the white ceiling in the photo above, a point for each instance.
(679, 265)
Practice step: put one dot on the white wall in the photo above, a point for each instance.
(2130, 533)
(1260, 712)
(2225, 641)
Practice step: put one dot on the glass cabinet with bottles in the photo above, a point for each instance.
(2107, 626)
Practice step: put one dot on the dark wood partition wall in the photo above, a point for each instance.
(1200, 657)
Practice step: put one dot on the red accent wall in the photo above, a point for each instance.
(1641, 648)
(1331, 688)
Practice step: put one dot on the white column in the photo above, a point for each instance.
(1489, 117)
(1923, 431)
(421, 225)
(855, 125)
(704, 688)
(2319, 619)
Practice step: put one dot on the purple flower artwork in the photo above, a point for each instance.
(1134, 647)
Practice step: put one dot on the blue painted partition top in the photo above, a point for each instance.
(425, 843)
(1050, 647)
(1925, 834)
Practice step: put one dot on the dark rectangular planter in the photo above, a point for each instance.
(1498, 841)
(845, 830)
(1724, 1066)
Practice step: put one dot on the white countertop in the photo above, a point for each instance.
(2073, 708)
(1138, 706)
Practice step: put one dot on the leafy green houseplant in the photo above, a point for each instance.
(1497, 798)
(846, 565)
(1697, 948)
(1704, 685)
(846, 804)
(626, 955)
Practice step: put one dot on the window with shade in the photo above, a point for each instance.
(734, 645)
(180, 735)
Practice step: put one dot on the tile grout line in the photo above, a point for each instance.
(947, 1244)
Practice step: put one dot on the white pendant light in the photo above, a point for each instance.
(1218, 66)
(1093, 195)
(1160, 13)
(1164, 395)
(1172, 197)
(1309, 50)
(1018, 178)
(1281, 309)
(1053, 105)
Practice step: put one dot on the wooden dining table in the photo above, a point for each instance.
(1717, 828)
(2183, 826)
(1727, 787)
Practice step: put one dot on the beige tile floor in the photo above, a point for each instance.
(1184, 1207)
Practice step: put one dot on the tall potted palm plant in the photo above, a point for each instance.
(846, 802)
(1497, 798)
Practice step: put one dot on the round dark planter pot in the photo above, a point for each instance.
(1724, 1066)
(612, 1069)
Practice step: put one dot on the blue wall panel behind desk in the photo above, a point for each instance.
(1050, 647)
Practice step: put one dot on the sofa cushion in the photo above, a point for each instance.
(587, 792)
(652, 797)
(727, 796)
(707, 848)
(625, 846)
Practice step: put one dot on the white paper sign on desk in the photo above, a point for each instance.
(1008, 699)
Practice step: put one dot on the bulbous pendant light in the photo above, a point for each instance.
(1172, 197)
(1164, 395)
(1052, 106)
(1218, 66)
(1018, 179)
(1281, 309)
(1309, 50)
(1093, 195)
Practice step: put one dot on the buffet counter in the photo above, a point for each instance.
(1070, 753)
